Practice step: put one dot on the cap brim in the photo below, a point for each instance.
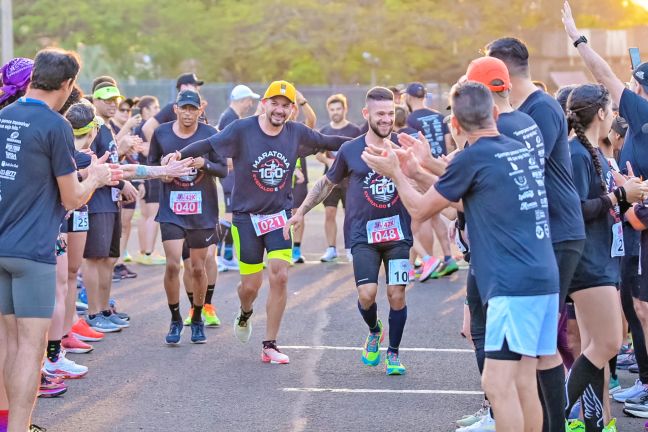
(255, 96)
(200, 83)
(185, 103)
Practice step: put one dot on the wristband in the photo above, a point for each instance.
(624, 197)
(580, 40)
(617, 194)
(303, 103)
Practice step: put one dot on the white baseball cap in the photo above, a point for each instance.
(241, 92)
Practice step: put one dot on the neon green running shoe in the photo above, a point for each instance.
(393, 364)
(611, 427)
(210, 317)
(187, 320)
(371, 349)
(575, 426)
(446, 268)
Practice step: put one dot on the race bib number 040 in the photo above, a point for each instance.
(384, 230)
(398, 272)
(186, 203)
(264, 224)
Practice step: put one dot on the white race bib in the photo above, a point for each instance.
(80, 221)
(618, 248)
(264, 224)
(384, 230)
(458, 242)
(186, 202)
(116, 194)
(398, 272)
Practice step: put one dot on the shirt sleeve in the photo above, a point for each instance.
(550, 126)
(226, 120)
(166, 114)
(155, 151)
(225, 143)
(215, 165)
(458, 178)
(340, 169)
(582, 175)
(82, 160)
(62, 160)
(312, 141)
(634, 109)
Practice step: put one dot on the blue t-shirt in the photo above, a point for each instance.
(36, 151)
(190, 201)
(372, 195)
(228, 116)
(105, 199)
(506, 214)
(264, 164)
(564, 206)
(596, 260)
(634, 109)
(522, 128)
(431, 124)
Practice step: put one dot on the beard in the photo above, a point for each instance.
(374, 127)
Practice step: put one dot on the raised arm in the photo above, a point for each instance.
(74, 193)
(312, 141)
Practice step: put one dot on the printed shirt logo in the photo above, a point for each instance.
(270, 171)
(379, 190)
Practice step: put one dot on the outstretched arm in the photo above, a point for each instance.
(316, 195)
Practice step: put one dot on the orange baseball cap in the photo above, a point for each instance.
(281, 88)
(488, 69)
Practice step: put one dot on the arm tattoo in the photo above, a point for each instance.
(320, 191)
(147, 172)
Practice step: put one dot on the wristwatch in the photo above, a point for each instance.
(580, 40)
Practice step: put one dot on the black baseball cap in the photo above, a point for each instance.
(641, 75)
(416, 89)
(188, 78)
(188, 97)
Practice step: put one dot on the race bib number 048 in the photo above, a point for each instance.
(264, 224)
(186, 203)
(384, 230)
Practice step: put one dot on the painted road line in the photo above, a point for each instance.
(348, 348)
(357, 390)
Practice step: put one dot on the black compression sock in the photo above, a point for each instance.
(269, 344)
(53, 350)
(210, 294)
(197, 314)
(175, 312)
(370, 316)
(551, 386)
(583, 373)
(613, 367)
(106, 313)
(593, 403)
(297, 244)
(245, 315)
(397, 319)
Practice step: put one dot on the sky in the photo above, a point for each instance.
(642, 3)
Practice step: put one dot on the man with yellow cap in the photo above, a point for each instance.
(264, 150)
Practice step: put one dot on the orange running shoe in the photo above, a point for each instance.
(82, 331)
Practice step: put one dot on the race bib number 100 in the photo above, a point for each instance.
(264, 224)
(186, 203)
(384, 230)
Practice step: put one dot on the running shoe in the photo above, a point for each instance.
(412, 274)
(624, 361)
(639, 403)
(418, 262)
(634, 368)
(429, 266)
(36, 428)
(112, 304)
(272, 355)
(485, 424)
(123, 272)
(575, 426)
(629, 393)
(82, 295)
(330, 255)
(175, 332)
(114, 318)
(73, 345)
(574, 414)
(50, 387)
(210, 317)
(614, 386)
(371, 349)
(102, 324)
(242, 329)
(198, 333)
(150, 260)
(82, 331)
(127, 257)
(219, 263)
(393, 365)
(446, 268)
(626, 348)
(472, 418)
(231, 264)
(81, 307)
(64, 368)
(611, 426)
(187, 321)
(297, 257)
(349, 255)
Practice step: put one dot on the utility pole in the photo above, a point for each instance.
(7, 31)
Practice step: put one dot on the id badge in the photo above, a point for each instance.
(398, 272)
(384, 230)
(115, 193)
(186, 202)
(618, 248)
(80, 221)
(264, 224)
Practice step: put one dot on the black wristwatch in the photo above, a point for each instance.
(579, 41)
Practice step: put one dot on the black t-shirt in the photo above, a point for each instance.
(506, 215)
(564, 206)
(190, 201)
(228, 116)
(634, 109)
(431, 124)
(596, 258)
(372, 198)
(105, 199)
(264, 164)
(36, 150)
(350, 131)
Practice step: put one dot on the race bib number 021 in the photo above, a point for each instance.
(384, 230)
(186, 203)
(398, 272)
(264, 224)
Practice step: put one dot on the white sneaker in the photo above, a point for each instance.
(220, 265)
(330, 255)
(64, 368)
(349, 256)
(274, 356)
(243, 331)
(486, 424)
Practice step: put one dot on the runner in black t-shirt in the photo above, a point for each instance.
(378, 229)
(337, 108)
(264, 150)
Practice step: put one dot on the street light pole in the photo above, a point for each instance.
(7, 31)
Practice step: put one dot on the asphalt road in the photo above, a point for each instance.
(136, 383)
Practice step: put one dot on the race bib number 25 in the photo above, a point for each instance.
(384, 230)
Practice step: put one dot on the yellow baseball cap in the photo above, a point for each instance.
(281, 88)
